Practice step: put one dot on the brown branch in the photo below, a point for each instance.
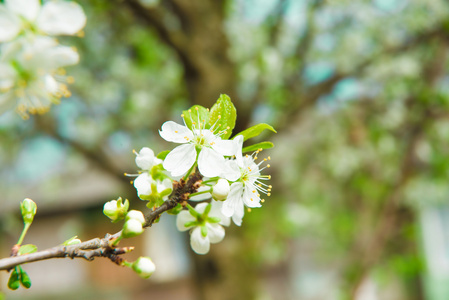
(101, 247)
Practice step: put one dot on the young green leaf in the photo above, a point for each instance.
(195, 115)
(14, 280)
(27, 249)
(262, 145)
(24, 278)
(73, 240)
(223, 115)
(255, 131)
(163, 154)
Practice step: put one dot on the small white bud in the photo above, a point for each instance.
(132, 228)
(135, 215)
(144, 267)
(221, 190)
(115, 209)
(28, 208)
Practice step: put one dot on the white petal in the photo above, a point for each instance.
(238, 145)
(200, 207)
(182, 218)
(62, 56)
(7, 76)
(221, 189)
(10, 25)
(210, 163)
(231, 170)
(250, 197)
(198, 242)
(238, 216)
(145, 158)
(28, 9)
(180, 159)
(61, 17)
(224, 147)
(173, 132)
(202, 196)
(216, 212)
(215, 232)
(51, 85)
(234, 200)
(143, 184)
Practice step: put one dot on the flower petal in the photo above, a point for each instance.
(180, 159)
(201, 197)
(215, 232)
(234, 200)
(182, 218)
(61, 18)
(231, 170)
(143, 184)
(145, 158)
(7, 76)
(210, 163)
(173, 132)
(224, 147)
(10, 25)
(29, 9)
(238, 145)
(61, 56)
(250, 196)
(215, 211)
(198, 242)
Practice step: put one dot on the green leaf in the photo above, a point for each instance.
(24, 278)
(70, 241)
(163, 154)
(262, 145)
(223, 116)
(14, 280)
(27, 249)
(255, 131)
(194, 115)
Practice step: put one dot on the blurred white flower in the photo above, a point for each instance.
(52, 18)
(32, 75)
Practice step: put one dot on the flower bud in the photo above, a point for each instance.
(221, 190)
(136, 215)
(132, 228)
(28, 209)
(144, 267)
(115, 209)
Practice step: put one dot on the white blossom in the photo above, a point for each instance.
(144, 267)
(206, 229)
(31, 74)
(199, 144)
(52, 18)
(245, 189)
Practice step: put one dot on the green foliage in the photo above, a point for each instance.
(195, 116)
(163, 154)
(255, 131)
(223, 116)
(27, 249)
(262, 145)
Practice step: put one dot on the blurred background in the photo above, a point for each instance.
(359, 94)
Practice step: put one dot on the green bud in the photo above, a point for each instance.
(144, 267)
(28, 208)
(14, 280)
(24, 278)
(116, 210)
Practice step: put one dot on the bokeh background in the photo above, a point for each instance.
(358, 91)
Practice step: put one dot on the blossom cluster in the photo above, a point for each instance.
(32, 60)
(230, 181)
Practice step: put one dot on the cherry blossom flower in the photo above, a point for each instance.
(52, 18)
(205, 221)
(245, 189)
(199, 144)
(31, 74)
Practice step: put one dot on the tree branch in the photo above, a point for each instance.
(102, 247)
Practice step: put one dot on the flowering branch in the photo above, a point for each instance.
(101, 247)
